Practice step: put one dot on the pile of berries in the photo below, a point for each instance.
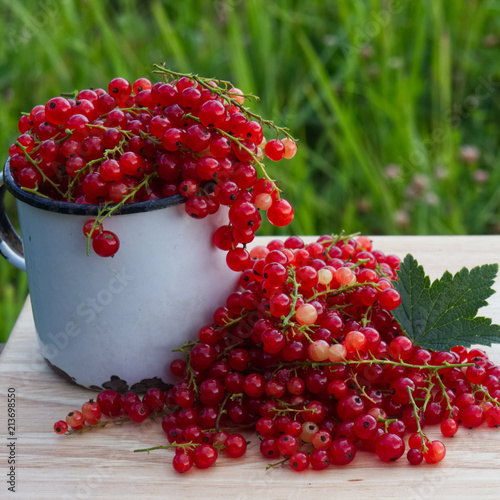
(308, 354)
(184, 135)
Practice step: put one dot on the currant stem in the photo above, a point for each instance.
(35, 191)
(224, 93)
(188, 446)
(42, 173)
(374, 361)
(281, 462)
(423, 436)
(361, 388)
(221, 411)
(444, 393)
(292, 277)
(486, 393)
(428, 392)
(340, 237)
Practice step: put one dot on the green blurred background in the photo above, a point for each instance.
(395, 103)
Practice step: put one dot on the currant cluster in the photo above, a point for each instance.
(308, 354)
(183, 135)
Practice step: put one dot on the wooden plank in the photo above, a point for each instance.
(102, 464)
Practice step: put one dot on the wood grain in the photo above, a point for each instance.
(102, 464)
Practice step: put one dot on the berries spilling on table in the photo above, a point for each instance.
(307, 353)
(129, 143)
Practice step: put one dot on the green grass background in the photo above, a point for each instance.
(395, 103)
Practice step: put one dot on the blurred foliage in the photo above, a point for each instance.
(395, 103)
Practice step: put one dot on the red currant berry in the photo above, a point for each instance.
(75, 419)
(435, 453)
(238, 259)
(58, 110)
(269, 448)
(138, 412)
(319, 459)
(275, 150)
(299, 461)
(109, 402)
(389, 447)
(389, 299)
(204, 456)
(60, 427)
(414, 456)
(342, 451)
(280, 213)
(182, 461)
(111, 170)
(91, 412)
(154, 399)
(120, 89)
(106, 244)
(235, 446)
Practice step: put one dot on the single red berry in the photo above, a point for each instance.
(280, 213)
(202, 356)
(109, 402)
(138, 412)
(238, 259)
(389, 447)
(235, 446)
(321, 440)
(154, 399)
(205, 455)
(131, 164)
(78, 126)
(269, 448)
(212, 114)
(389, 299)
(342, 451)
(196, 207)
(91, 412)
(173, 139)
(299, 461)
(120, 89)
(106, 244)
(89, 228)
(449, 427)
(288, 444)
(141, 84)
(182, 461)
(414, 456)
(472, 416)
(275, 150)
(58, 110)
(111, 170)
(60, 427)
(365, 426)
(30, 178)
(319, 459)
(75, 419)
(435, 453)
(95, 187)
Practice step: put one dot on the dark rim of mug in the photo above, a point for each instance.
(65, 207)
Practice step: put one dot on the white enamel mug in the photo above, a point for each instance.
(113, 322)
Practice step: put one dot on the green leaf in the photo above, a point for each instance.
(441, 315)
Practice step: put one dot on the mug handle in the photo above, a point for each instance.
(11, 246)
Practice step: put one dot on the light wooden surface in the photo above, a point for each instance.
(101, 464)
